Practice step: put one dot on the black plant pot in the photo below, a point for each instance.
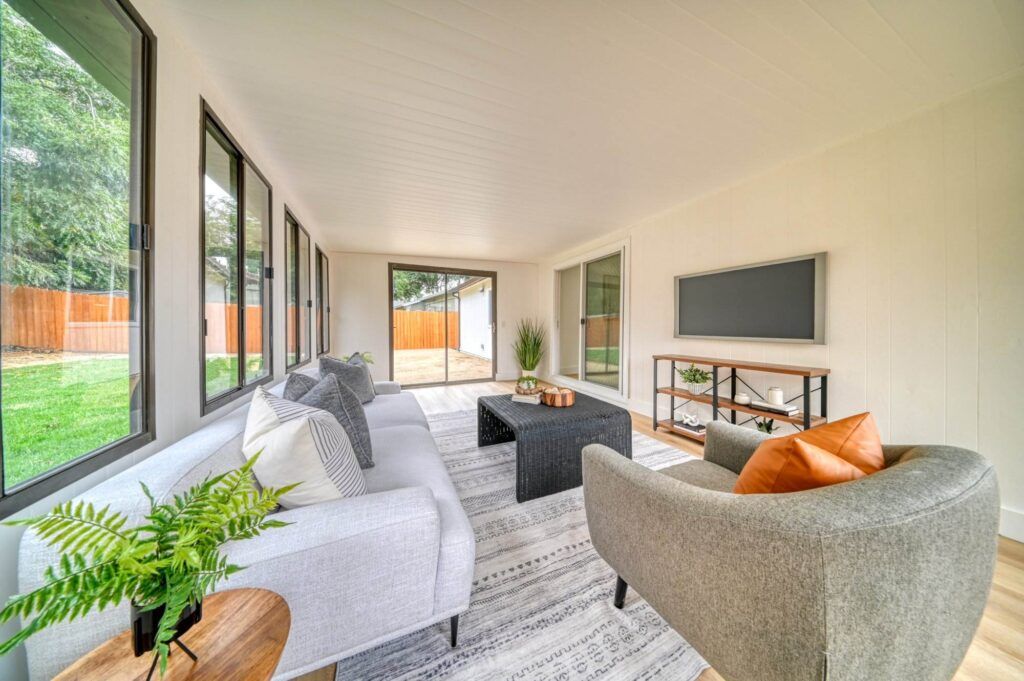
(145, 624)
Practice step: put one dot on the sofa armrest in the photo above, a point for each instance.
(387, 387)
(351, 570)
(731, 446)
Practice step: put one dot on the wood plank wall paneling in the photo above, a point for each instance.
(422, 329)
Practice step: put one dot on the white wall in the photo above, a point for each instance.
(923, 222)
(475, 320)
(360, 305)
(180, 82)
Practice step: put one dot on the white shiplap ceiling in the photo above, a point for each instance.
(511, 129)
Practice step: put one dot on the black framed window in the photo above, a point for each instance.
(236, 270)
(76, 102)
(323, 303)
(299, 301)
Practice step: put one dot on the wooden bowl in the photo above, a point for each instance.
(560, 399)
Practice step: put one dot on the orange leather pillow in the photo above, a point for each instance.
(798, 462)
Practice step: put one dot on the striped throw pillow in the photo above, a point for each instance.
(300, 444)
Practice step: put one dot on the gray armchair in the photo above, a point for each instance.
(885, 577)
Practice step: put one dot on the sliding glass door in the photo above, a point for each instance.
(589, 307)
(602, 298)
(442, 325)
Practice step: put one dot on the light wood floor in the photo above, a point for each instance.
(998, 649)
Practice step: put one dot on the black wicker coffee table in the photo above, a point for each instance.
(549, 440)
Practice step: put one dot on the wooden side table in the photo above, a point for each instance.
(240, 638)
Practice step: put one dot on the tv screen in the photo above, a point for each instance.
(782, 300)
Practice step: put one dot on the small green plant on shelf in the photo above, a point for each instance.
(529, 344)
(170, 561)
(766, 426)
(694, 378)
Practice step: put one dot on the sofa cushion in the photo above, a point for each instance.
(394, 410)
(355, 377)
(300, 444)
(703, 474)
(407, 456)
(340, 402)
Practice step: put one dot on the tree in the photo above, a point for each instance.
(66, 168)
(410, 285)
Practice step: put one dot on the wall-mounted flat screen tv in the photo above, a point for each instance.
(782, 300)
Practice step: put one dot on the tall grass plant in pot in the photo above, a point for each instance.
(529, 345)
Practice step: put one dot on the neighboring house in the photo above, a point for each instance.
(471, 299)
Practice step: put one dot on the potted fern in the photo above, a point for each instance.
(164, 566)
(694, 378)
(529, 345)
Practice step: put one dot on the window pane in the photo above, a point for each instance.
(257, 289)
(220, 265)
(323, 321)
(304, 298)
(291, 258)
(71, 287)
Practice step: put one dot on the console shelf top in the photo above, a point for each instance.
(791, 369)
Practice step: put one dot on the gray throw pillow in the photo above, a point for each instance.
(354, 377)
(328, 394)
(357, 359)
(298, 385)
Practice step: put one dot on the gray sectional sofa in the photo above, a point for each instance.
(355, 572)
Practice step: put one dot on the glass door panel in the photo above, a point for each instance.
(569, 322)
(442, 326)
(602, 297)
(470, 317)
(418, 326)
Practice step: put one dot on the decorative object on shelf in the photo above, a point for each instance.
(741, 398)
(694, 378)
(170, 563)
(766, 426)
(559, 397)
(529, 345)
(786, 409)
(776, 396)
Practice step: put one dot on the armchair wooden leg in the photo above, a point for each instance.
(620, 592)
(455, 630)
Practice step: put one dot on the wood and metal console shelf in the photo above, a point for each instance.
(803, 419)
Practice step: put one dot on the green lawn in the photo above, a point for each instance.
(601, 354)
(222, 372)
(53, 413)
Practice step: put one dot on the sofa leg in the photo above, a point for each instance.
(455, 630)
(620, 592)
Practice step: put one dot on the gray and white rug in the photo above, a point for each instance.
(542, 598)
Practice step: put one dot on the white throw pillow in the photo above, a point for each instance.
(300, 444)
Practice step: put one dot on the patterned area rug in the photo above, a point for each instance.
(542, 597)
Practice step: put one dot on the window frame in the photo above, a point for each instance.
(323, 295)
(289, 221)
(30, 491)
(206, 406)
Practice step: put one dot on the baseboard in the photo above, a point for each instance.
(1011, 524)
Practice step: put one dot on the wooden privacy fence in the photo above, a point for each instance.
(45, 319)
(421, 329)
